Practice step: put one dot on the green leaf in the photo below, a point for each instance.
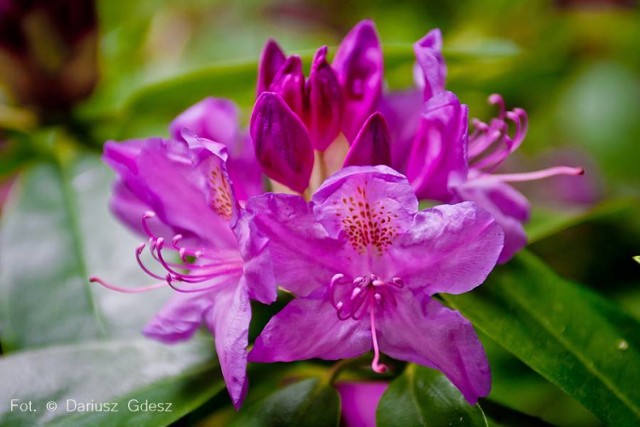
(123, 375)
(56, 232)
(546, 223)
(501, 415)
(574, 338)
(307, 403)
(46, 298)
(425, 397)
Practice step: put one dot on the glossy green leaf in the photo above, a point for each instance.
(576, 339)
(307, 403)
(425, 397)
(57, 231)
(149, 384)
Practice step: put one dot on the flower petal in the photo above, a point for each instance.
(437, 337)
(307, 258)
(282, 144)
(402, 111)
(228, 319)
(372, 145)
(325, 102)
(289, 84)
(129, 209)
(217, 119)
(271, 60)
(450, 248)
(258, 276)
(508, 206)
(368, 206)
(179, 319)
(428, 51)
(162, 169)
(359, 402)
(359, 66)
(212, 118)
(309, 328)
(438, 156)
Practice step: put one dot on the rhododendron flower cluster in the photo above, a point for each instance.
(336, 224)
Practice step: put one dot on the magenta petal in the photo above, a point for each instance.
(325, 102)
(282, 144)
(217, 120)
(437, 337)
(289, 84)
(129, 209)
(438, 156)
(402, 111)
(359, 66)
(355, 196)
(298, 245)
(228, 319)
(271, 60)
(372, 146)
(179, 319)
(150, 176)
(309, 328)
(428, 51)
(450, 248)
(360, 401)
(257, 272)
(508, 206)
(212, 118)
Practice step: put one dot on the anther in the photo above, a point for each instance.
(336, 278)
(398, 282)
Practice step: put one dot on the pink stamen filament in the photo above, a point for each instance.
(217, 268)
(127, 290)
(490, 145)
(531, 176)
(211, 270)
(192, 290)
(147, 215)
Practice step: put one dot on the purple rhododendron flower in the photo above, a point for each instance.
(296, 120)
(364, 264)
(359, 401)
(443, 162)
(178, 193)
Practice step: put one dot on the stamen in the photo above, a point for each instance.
(496, 99)
(175, 241)
(126, 290)
(530, 176)
(147, 215)
(193, 290)
(144, 268)
(335, 278)
(398, 282)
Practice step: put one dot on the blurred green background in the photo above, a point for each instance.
(574, 66)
